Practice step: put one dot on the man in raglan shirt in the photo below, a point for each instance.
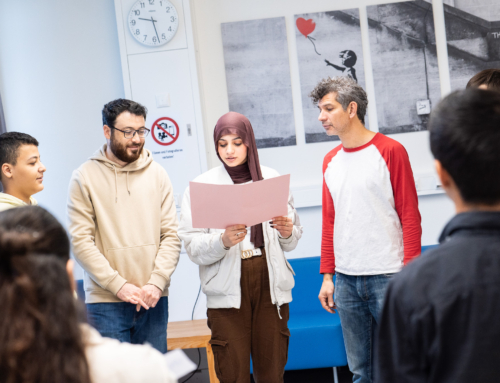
(371, 222)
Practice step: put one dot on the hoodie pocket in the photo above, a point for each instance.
(207, 273)
(285, 272)
(135, 263)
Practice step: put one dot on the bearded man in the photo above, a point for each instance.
(123, 228)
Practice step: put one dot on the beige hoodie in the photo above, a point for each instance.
(123, 225)
(8, 201)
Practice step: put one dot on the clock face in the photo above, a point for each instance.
(153, 22)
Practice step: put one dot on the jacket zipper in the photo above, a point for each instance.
(274, 282)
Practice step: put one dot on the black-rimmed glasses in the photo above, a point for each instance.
(130, 133)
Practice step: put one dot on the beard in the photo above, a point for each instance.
(120, 150)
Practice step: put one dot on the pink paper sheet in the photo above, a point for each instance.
(220, 206)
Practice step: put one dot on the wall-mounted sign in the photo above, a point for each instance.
(165, 131)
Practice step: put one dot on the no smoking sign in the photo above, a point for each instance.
(165, 131)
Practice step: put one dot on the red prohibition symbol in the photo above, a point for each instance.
(165, 131)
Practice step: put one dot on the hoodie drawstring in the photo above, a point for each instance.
(116, 184)
(127, 185)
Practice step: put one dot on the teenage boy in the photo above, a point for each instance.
(440, 322)
(371, 222)
(123, 227)
(21, 170)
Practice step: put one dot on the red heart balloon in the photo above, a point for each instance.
(305, 26)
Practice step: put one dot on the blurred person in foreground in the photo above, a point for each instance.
(41, 339)
(441, 314)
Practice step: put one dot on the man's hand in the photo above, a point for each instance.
(132, 294)
(151, 295)
(326, 293)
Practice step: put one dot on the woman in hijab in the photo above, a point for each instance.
(244, 272)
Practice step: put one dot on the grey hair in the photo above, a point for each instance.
(347, 91)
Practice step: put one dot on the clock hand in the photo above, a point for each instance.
(155, 29)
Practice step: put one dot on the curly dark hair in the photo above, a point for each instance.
(347, 91)
(114, 108)
(40, 337)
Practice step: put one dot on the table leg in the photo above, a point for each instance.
(211, 364)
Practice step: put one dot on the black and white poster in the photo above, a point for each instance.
(328, 45)
(473, 38)
(258, 78)
(404, 61)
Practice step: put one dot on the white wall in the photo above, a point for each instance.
(60, 63)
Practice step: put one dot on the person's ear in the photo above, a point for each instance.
(69, 269)
(7, 170)
(107, 132)
(353, 109)
(444, 176)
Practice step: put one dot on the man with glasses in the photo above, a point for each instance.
(123, 228)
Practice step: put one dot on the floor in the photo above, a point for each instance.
(317, 375)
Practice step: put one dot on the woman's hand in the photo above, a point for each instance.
(284, 225)
(234, 235)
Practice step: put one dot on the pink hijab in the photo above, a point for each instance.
(236, 123)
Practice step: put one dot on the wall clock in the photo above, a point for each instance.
(153, 22)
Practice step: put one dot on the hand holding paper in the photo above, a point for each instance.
(220, 206)
(284, 225)
(234, 235)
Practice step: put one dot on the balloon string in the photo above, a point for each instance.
(311, 40)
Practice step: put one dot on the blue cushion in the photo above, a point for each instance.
(316, 341)
(425, 248)
(316, 336)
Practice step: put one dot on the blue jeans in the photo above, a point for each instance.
(121, 321)
(359, 302)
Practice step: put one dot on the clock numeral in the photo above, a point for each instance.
(151, 2)
(132, 22)
(163, 36)
(137, 32)
(143, 5)
(168, 9)
(170, 29)
(172, 18)
(161, 3)
(154, 39)
(145, 37)
(137, 13)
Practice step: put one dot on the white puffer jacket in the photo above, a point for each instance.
(220, 270)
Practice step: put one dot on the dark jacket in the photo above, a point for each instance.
(441, 318)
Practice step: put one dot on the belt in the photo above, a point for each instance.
(245, 254)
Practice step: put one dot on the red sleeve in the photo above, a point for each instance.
(405, 199)
(327, 264)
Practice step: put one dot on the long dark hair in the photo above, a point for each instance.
(40, 338)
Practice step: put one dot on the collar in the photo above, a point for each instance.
(474, 221)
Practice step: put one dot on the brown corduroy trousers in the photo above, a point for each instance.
(255, 328)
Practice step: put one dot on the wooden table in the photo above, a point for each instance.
(192, 334)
